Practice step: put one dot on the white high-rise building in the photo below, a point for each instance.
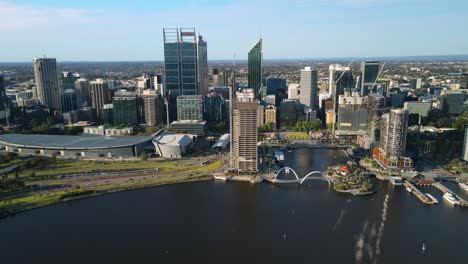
(293, 91)
(333, 68)
(309, 89)
(47, 88)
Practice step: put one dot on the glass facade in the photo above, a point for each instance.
(180, 61)
(125, 110)
(369, 75)
(255, 68)
(190, 107)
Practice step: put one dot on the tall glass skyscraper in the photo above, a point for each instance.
(369, 75)
(255, 68)
(185, 58)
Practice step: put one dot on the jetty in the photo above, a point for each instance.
(444, 189)
(421, 196)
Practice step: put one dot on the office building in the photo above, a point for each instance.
(144, 82)
(340, 80)
(193, 127)
(125, 110)
(352, 112)
(100, 95)
(260, 115)
(214, 108)
(245, 133)
(69, 100)
(182, 61)
(452, 102)
(293, 91)
(107, 114)
(464, 81)
(393, 135)
(465, 145)
(420, 108)
(255, 71)
(153, 107)
(68, 79)
(270, 115)
(202, 66)
(47, 88)
(369, 74)
(415, 83)
(190, 107)
(82, 92)
(288, 113)
(309, 89)
(5, 104)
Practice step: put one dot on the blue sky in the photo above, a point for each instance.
(108, 30)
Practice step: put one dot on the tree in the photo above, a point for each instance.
(461, 122)
(144, 155)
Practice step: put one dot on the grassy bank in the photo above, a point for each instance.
(14, 206)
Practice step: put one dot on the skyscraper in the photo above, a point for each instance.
(67, 80)
(255, 73)
(245, 133)
(99, 95)
(69, 100)
(202, 66)
(340, 80)
(153, 107)
(182, 61)
(465, 145)
(83, 93)
(309, 88)
(4, 102)
(47, 88)
(125, 110)
(393, 134)
(369, 74)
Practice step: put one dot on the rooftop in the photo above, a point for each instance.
(84, 141)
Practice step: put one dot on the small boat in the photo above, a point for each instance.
(451, 199)
(409, 189)
(423, 247)
(434, 200)
(464, 186)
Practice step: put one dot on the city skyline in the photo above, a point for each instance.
(315, 29)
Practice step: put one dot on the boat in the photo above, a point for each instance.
(451, 199)
(464, 186)
(432, 198)
(423, 247)
(409, 189)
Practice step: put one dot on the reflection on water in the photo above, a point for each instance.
(265, 223)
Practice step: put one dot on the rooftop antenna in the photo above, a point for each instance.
(43, 53)
(234, 60)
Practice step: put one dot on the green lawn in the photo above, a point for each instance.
(85, 166)
(298, 135)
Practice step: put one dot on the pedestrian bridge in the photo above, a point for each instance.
(314, 175)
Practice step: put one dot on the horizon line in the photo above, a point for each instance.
(268, 59)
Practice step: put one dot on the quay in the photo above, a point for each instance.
(444, 189)
(421, 196)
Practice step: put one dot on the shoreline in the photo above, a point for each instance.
(5, 214)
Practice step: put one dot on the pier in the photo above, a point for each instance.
(444, 189)
(421, 196)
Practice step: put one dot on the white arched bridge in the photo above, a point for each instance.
(319, 175)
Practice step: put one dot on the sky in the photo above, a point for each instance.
(118, 30)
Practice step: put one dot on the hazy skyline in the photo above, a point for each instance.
(132, 30)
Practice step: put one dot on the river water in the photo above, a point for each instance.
(233, 222)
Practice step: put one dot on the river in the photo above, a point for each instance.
(234, 221)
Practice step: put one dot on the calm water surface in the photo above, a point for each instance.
(230, 222)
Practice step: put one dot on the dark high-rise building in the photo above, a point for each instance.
(47, 88)
(255, 73)
(125, 110)
(69, 100)
(452, 102)
(202, 66)
(82, 92)
(183, 62)
(214, 108)
(4, 102)
(68, 79)
(276, 87)
(369, 74)
(288, 113)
